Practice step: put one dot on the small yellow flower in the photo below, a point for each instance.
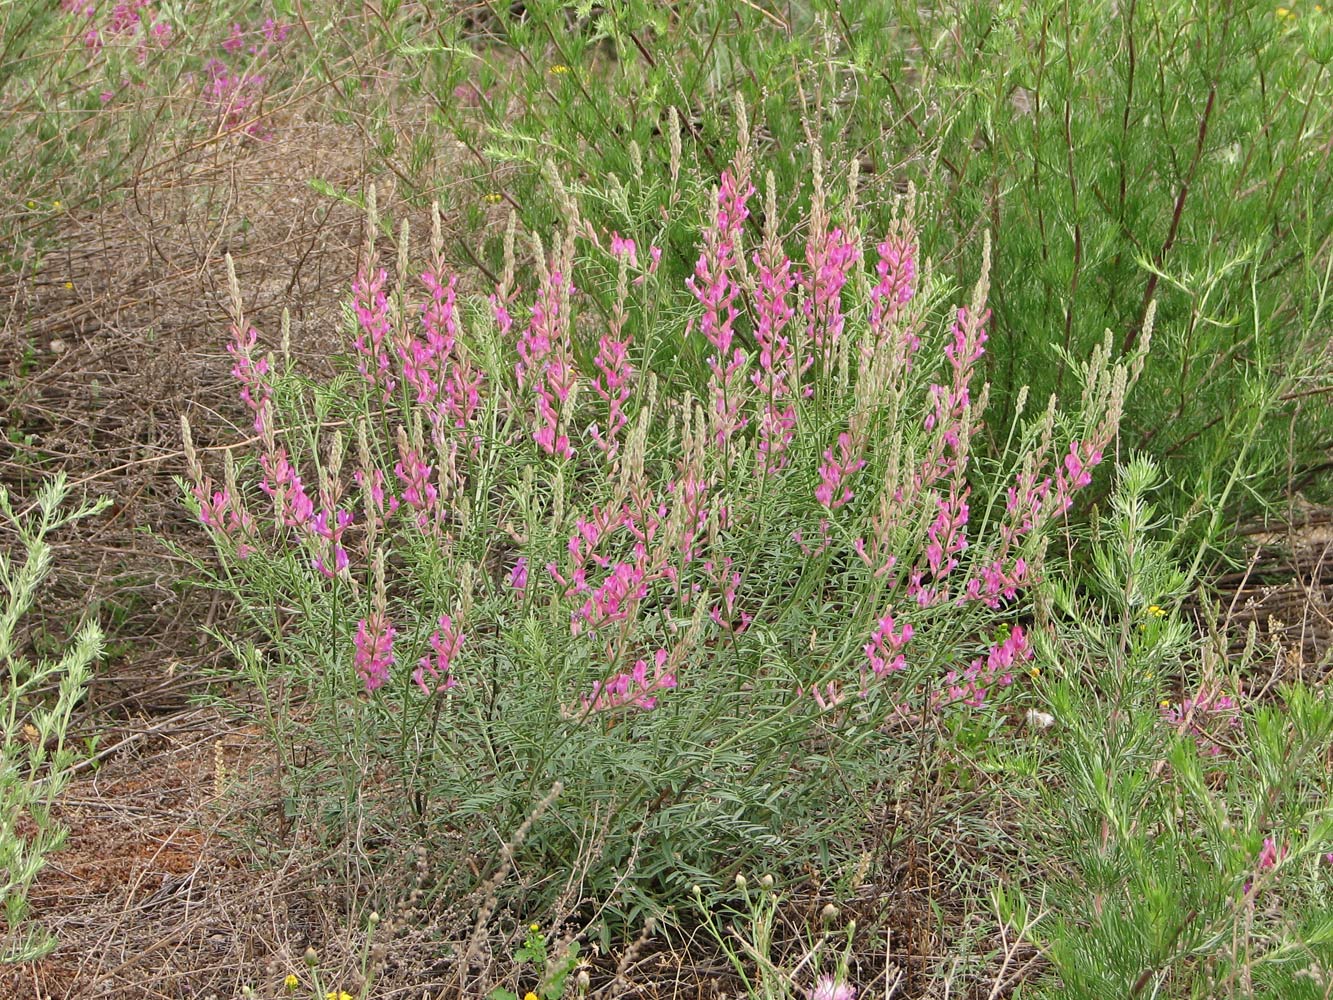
(1164, 703)
(530, 996)
(494, 198)
(32, 204)
(1153, 611)
(69, 286)
(338, 995)
(1285, 14)
(56, 205)
(291, 982)
(534, 927)
(1034, 673)
(557, 70)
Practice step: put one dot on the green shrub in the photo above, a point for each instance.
(37, 701)
(1181, 847)
(708, 603)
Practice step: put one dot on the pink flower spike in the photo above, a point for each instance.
(446, 642)
(828, 267)
(830, 492)
(417, 477)
(717, 289)
(370, 303)
(634, 689)
(896, 286)
(613, 385)
(884, 650)
(374, 649)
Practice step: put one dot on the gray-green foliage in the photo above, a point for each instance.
(39, 696)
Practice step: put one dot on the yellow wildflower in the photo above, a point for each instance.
(1153, 611)
(338, 995)
(1285, 14)
(493, 198)
(534, 927)
(69, 286)
(291, 982)
(530, 996)
(557, 70)
(32, 204)
(1034, 673)
(56, 205)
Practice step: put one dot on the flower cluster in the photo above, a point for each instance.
(635, 689)
(717, 284)
(374, 649)
(1207, 716)
(232, 86)
(138, 22)
(657, 515)
(445, 642)
(971, 685)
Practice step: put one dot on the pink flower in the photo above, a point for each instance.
(614, 600)
(828, 988)
(371, 306)
(518, 576)
(1206, 716)
(234, 42)
(623, 246)
(831, 492)
(828, 267)
(1269, 855)
(374, 649)
(635, 689)
(612, 384)
(884, 650)
(446, 641)
(777, 376)
(970, 686)
(546, 364)
(416, 475)
(715, 286)
(251, 374)
(896, 286)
